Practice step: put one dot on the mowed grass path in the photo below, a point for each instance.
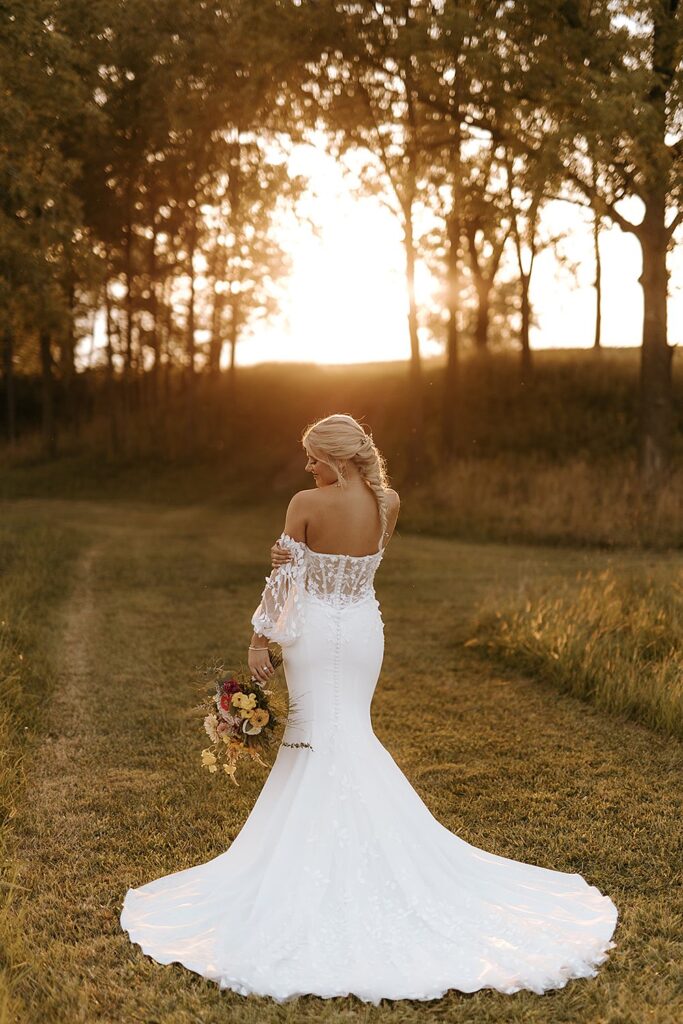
(116, 796)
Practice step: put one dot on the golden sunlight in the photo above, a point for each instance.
(346, 302)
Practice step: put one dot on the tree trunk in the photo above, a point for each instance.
(128, 272)
(233, 338)
(48, 395)
(165, 340)
(415, 382)
(67, 360)
(526, 365)
(481, 330)
(450, 412)
(216, 339)
(8, 374)
(190, 347)
(656, 393)
(110, 391)
(233, 335)
(190, 344)
(154, 308)
(597, 337)
(656, 397)
(218, 274)
(126, 383)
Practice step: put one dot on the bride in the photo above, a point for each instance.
(341, 881)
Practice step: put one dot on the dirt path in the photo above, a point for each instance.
(117, 797)
(70, 717)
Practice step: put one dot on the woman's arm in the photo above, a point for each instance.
(296, 520)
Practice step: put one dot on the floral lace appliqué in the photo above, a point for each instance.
(337, 580)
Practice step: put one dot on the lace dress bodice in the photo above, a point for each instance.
(338, 580)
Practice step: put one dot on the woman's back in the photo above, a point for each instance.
(347, 520)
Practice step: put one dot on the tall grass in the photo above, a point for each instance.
(596, 503)
(578, 404)
(612, 639)
(553, 461)
(34, 559)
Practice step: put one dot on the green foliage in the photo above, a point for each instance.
(144, 163)
(43, 101)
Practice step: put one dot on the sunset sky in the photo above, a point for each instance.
(346, 298)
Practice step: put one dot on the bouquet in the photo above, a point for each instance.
(240, 718)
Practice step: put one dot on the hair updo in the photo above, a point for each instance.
(336, 438)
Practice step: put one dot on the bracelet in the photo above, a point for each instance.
(257, 648)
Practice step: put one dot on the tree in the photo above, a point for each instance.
(486, 213)
(365, 86)
(461, 87)
(39, 212)
(245, 259)
(530, 180)
(608, 74)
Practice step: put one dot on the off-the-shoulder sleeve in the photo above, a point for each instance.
(279, 615)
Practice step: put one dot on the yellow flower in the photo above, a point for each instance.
(209, 760)
(244, 700)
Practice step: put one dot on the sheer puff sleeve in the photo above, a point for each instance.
(279, 615)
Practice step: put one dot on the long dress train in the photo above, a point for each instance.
(341, 881)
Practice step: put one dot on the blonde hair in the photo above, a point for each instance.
(338, 437)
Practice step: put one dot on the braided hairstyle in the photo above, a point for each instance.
(338, 437)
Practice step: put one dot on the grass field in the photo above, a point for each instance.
(114, 794)
(37, 556)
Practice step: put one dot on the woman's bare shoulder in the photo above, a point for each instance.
(298, 513)
(393, 497)
(303, 497)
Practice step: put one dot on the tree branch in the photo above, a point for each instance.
(675, 223)
(602, 205)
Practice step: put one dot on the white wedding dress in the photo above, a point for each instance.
(341, 881)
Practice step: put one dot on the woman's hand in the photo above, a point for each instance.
(279, 555)
(259, 662)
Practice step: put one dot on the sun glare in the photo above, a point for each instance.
(346, 301)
